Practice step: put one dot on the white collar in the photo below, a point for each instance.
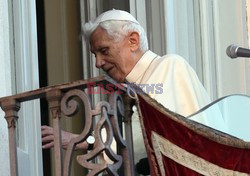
(141, 66)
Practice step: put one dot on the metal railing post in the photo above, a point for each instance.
(54, 98)
(11, 107)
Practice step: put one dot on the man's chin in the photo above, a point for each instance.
(116, 76)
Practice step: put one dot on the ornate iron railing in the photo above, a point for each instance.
(64, 99)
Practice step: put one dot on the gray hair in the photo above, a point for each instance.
(117, 30)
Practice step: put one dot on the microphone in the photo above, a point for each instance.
(234, 51)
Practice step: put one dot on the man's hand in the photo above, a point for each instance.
(48, 138)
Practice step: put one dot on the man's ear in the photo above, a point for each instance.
(134, 41)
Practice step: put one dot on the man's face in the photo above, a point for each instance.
(113, 57)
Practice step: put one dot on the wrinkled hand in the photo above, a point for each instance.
(48, 138)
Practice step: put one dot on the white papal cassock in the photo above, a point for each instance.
(176, 86)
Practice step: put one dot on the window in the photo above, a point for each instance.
(200, 31)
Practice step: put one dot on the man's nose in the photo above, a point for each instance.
(99, 62)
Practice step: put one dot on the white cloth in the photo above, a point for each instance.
(181, 92)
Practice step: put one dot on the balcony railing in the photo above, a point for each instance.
(64, 100)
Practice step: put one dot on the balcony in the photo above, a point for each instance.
(109, 114)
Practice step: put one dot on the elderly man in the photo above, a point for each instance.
(120, 46)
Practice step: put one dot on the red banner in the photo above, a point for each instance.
(179, 146)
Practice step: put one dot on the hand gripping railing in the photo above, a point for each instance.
(62, 100)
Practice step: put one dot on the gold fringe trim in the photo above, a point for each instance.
(162, 146)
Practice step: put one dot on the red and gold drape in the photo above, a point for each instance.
(177, 146)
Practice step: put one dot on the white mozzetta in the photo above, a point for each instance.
(175, 85)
